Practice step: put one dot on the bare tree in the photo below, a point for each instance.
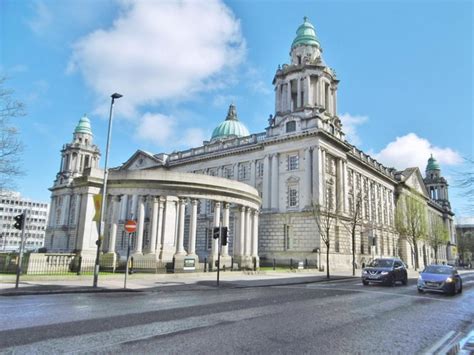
(10, 145)
(326, 217)
(410, 221)
(355, 220)
(465, 181)
(438, 235)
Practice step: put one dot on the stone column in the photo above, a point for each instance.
(316, 175)
(339, 185)
(288, 95)
(274, 182)
(307, 184)
(154, 224)
(123, 208)
(266, 183)
(236, 171)
(277, 100)
(180, 240)
(192, 228)
(65, 221)
(140, 226)
(159, 227)
(322, 183)
(240, 236)
(253, 173)
(345, 189)
(308, 93)
(298, 93)
(248, 232)
(255, 234)
(169, 229)
(113, 224)
(133, 207)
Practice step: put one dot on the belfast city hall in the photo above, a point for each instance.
(265, 187)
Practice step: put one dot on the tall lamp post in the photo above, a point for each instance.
(104, 190)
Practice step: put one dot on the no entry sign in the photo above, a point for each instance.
(130, 226)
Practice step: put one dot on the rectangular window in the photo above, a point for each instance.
(260, 169)
(336, 242)
(244, 171)
(287, 235)
(362, 244)
(228, 172)
(292, 196)
(293, 162)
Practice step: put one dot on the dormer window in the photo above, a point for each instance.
(290, 126)
(299, 59)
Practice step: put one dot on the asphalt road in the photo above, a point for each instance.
(326, 318)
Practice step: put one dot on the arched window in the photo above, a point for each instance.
(290, 126)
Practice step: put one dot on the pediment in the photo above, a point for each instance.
(141, 160)
(414, 180)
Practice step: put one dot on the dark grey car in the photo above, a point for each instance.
(385, 271)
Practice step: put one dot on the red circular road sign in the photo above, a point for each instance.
(130, 226)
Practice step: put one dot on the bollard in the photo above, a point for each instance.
(273, 264)
(291, 264)
(79, 264)
(305, 263)
(255, 264)
(205, 264)
(130, 271)
(232, 264)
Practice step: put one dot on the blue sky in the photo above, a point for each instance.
(405, 71)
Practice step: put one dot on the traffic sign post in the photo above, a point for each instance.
(130, 226)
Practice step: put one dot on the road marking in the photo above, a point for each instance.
(432, 349)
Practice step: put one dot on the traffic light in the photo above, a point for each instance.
(224, 236)
(19, 220)
(215, 233)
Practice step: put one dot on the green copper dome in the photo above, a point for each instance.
(231, 127)
(305, 35)
(432, 164)
(84, 126)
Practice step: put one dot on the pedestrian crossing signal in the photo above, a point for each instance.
(19, 220)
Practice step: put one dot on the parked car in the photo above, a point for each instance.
(385, 271)
(440, 278)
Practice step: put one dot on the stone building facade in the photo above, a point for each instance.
(301, 160)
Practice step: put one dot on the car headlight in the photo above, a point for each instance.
(384, 273)
(449, 279)
(364, 272)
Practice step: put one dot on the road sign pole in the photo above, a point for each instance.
(128, 260)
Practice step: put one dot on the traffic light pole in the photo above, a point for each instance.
(22, 242)
(219, 255)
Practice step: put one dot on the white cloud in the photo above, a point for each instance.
(413, 151)
(224, 100)
(42, 19)
(156, 128)
(193, 137)
(163, 131)
(350, 123)
(160, 50)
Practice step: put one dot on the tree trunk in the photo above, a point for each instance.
(436, 254)
(353, 251)
(327, 262)
(415, 246)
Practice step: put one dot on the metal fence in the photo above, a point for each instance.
(290, 263)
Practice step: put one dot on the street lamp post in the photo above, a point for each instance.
(104, 188)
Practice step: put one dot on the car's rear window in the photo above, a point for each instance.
(432, 269)
(381, 263)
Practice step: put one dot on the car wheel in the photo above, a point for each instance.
(391, 281)
(453, 290)
(365, 283)
(405, 281)
(420, 290)
(460, 287)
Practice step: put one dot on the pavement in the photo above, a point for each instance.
(36, 284)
